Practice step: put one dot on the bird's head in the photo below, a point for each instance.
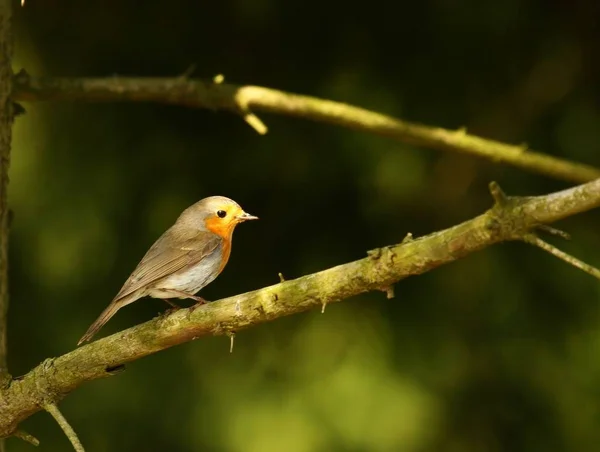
(217, 214)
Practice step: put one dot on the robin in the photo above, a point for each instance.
(186, 258)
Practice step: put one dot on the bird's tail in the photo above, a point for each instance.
(106, 315)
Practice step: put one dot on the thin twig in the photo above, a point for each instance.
(254, 121)
(66, 427)
(27, 437)
(498, 194)
(246, 99)
(554, 231)
(536, 241)
(231, 335)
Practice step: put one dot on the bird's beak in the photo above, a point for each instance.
(244, 216)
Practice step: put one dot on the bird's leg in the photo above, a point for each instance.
(199, 302)
(174, 305)
(182, 294)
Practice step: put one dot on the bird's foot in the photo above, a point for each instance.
(199, 300)
(174, 307)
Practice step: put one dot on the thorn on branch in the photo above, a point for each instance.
(231, 335)
(281, 278)
(26, 437)
(407, 238)
(254, 121)
(498, 194)
(220, 329)
(48, 364)
(218, 79)
(323, 306)
(534, 240)
(65, 426)
(389, 291)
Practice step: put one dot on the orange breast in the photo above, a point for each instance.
(226, 250)
(224, 230)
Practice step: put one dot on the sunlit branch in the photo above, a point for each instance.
(511, 218)
(246, 100)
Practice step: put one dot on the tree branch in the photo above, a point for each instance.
(511, 218)
(243, 99)
(534, 240)
(65, 426)
(27, 437)
(6, 120)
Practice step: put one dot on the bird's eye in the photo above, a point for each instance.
(221, 213)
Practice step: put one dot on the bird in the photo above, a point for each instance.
(187, 257)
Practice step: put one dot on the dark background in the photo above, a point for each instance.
(497, 352)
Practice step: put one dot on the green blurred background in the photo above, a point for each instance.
(497, 352)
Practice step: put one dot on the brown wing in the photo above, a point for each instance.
(173, 251)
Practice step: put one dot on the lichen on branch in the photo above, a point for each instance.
(511, 218)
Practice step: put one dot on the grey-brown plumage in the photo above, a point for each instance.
(187, 257)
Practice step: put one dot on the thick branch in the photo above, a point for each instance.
(6, 120)
(243, 99)
(510, 219)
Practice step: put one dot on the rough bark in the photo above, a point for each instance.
(509, 219)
